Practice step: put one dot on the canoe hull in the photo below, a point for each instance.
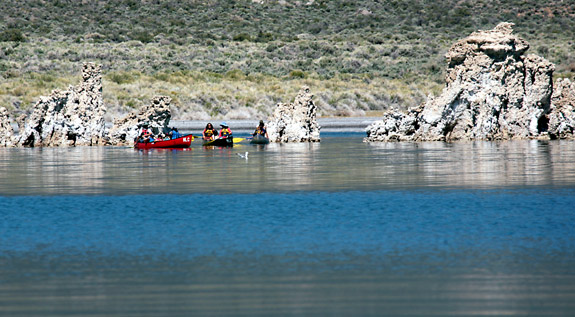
(220, 142)
(259, 139)
(179, 143)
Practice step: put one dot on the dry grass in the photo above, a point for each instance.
(236, 96)
(201, 95)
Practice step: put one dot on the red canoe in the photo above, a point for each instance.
(179, 143)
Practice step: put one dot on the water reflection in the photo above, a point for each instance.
(337, 163)
(292, 161)
(354, 245)
(479, 164)
(48, 170)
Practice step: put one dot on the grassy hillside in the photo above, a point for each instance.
(224, 58)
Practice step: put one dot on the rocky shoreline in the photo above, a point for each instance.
(75, 117)
(494, 91)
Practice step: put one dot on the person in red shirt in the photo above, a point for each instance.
(225, 131)
(145, 134)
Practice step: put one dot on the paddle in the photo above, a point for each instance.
(235, 140)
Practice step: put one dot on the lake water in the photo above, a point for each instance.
(340, 227)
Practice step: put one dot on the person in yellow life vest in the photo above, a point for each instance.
(209, 132)
(225, 131)
(261, 130)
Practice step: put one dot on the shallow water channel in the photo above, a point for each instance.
(339, 227)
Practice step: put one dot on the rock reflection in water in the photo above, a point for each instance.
(33, 171)
(337, 163)
(294, 165)
(477, 164)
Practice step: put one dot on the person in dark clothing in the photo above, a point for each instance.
(209, 132)
(261, 130)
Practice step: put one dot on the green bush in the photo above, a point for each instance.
(142, 36)
(264, 37)
(122, 77)
(297, 73)
(12, 35)
(235, 74)
(242, 37)
(543, 50)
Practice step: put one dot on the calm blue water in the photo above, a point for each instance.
(337, 228)
(374, 223)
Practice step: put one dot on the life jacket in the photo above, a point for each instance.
(224, 132)
(176, 134)
(208, 132)
(260, 131)
(144, 131)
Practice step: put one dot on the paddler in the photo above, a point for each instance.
(174, 134)
(209, 132)
(225, 131)
(261, 130)
(145, 134)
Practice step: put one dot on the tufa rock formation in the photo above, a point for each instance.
(295, 122)
(562, 116)
(493, 92)
(6, 131)
(76, 117)
(72, 117)
(157, 115)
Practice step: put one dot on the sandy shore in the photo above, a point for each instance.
(348, 124)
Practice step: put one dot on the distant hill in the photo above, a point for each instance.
(322, 40)
(196, 21)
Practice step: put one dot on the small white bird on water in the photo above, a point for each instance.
(244, 156)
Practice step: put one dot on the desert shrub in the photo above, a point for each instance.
(235, 74)
(242, 37)
(271, 47)
(264, 37)
(12, 35)
(296, 73)
(122, 77)
(161, 77)
(131, 103)
(543, 50)
(142, 36)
